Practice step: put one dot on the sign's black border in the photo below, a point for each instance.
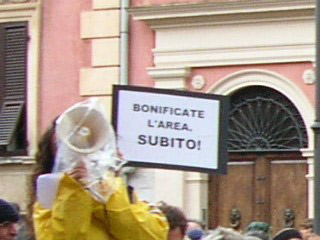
(223, 126)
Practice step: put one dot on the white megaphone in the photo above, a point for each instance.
(84, 134)
(84, 128)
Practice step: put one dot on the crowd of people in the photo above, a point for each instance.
(254, 231)
(178, 228)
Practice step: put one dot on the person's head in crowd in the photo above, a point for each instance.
(288, 234)
(262, 230)
(195, 234)
(9, 218)
(177, 221)
(222, 233)
(306, 228)
(195, 229)
(194, 224)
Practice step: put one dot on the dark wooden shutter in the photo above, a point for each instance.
(11, 112)
(14, 66)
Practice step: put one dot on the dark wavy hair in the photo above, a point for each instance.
(176, 218)
(44, 161)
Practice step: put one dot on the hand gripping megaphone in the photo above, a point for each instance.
(84, 134)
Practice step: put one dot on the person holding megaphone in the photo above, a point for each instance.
(70, 202)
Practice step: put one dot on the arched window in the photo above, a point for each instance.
(263, 120)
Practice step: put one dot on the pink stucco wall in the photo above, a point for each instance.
(140, 56)
(291, 71)
(137, 3)
(142, 41)
(62, 55)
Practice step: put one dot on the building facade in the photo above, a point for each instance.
(260, 53)
(257, 53)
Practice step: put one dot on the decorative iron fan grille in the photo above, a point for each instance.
(261, 119)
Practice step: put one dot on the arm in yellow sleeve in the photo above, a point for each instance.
(134, 221)
(70, 216)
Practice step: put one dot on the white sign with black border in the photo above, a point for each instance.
(171, 129)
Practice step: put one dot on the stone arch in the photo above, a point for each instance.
(258, 77)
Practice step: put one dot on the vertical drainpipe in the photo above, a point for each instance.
(124, 42)
(316, 129)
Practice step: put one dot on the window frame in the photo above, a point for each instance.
(13, 65)
(29, 13)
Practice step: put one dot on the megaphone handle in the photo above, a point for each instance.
(80, 172)
(96, 194)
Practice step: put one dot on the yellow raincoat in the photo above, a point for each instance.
(75, 215)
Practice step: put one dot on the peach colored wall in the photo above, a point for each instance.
(142, 39)
(62, 55)
(292, 71)
(137, 3)
(140, 53)
(141, 58)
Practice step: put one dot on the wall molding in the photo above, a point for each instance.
(158, 16)
(258, 77)
(29, 12)
(266, 31)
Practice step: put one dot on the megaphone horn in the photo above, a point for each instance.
(83, 132)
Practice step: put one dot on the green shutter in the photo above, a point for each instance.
(14, 78)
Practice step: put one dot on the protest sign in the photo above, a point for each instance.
(171, 129)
